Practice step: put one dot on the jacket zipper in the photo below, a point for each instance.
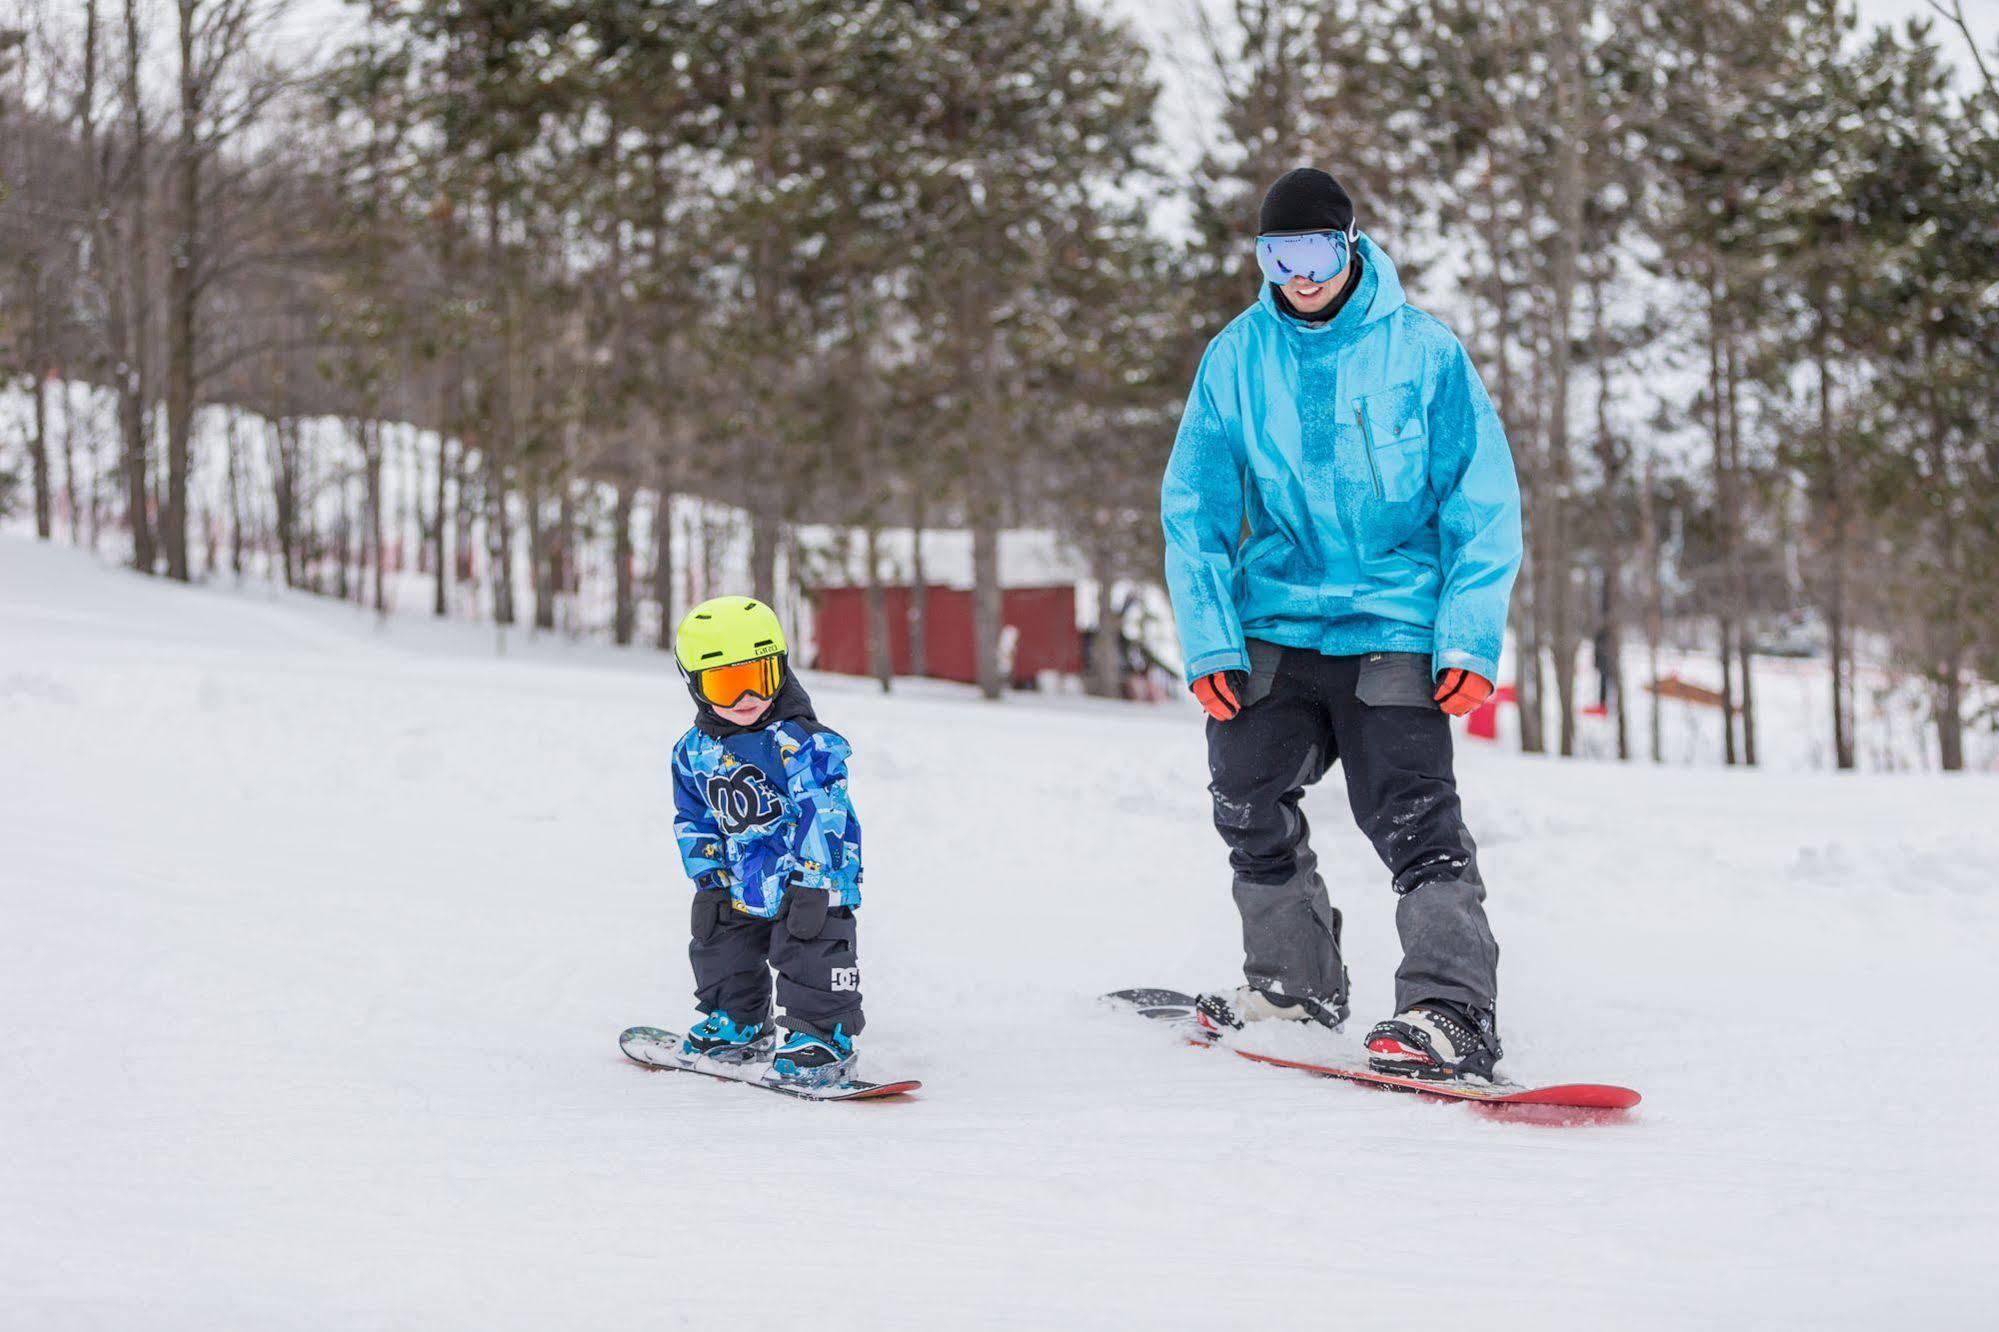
(1367, 447)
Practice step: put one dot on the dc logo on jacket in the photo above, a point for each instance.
(768, 807)
(743, 800)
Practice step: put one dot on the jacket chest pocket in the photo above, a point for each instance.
(1394, 436)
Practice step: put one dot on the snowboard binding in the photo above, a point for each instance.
(1435, 1042)
(1221, 1013)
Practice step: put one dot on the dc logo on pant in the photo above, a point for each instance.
(743, 799)
(846, 978)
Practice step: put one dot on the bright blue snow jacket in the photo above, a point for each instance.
(767, 808)
(1344, 487)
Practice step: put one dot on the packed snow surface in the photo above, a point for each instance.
(319, 933)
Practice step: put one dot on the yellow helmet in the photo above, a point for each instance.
(726, 631)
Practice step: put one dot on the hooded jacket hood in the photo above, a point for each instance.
(1378, 295)
(791, 704)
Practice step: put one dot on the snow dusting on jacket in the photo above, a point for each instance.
(766, 806)
(1344, 487)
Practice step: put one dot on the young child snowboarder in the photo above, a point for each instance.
(769, 838)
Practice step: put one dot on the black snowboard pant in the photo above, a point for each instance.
(811, 946)
(1303, 711)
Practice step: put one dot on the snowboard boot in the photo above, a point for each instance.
(1435, 1040)
(1220, 1013)
(722, 1038)
(815, 1061)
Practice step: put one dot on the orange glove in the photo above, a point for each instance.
(1461, 691)
(1221, 693)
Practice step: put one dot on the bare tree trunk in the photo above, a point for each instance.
(100, 234)
(1726, 626)
(285, 494)
(568, 558)
(1745, 632)
(543, 615)
(978, 372)
(1950, 714)
(343, 533)
(411, 533)
(1837, 648)
(1948, 620)
(371, 437)
(766, 533)
(1565, 242)
(1610, 460)
(181, 297)
(548, 551)
(1521, 613)
(919, 590)
(1745, 647)
(70, 493)
(1655, 611)
(881, 652)
(235, 480)
(499, 445)
(98, 498)
(986, 602)
(711, 550)
(986, 605)
(1532, 595)
(38, 452)
(39, 368)
(440, 604)
(662, 564)
(1103, 670)
(1836, 541)
(623, 611)
(134, 379)
(1725, 517)
(500, 543)
(988, 598)
(544, 557)
(464, 513)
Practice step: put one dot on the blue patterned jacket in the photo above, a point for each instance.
(766, 807)
(1344, 487)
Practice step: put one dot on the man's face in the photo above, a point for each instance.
(1309, 297)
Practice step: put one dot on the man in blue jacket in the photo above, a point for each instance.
(1342, 531)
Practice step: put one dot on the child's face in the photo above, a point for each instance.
(745, 712)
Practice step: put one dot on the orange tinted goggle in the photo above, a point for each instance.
(724, 686)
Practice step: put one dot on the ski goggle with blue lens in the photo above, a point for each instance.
(1316, 256)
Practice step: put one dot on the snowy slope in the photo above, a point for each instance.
(318, 935)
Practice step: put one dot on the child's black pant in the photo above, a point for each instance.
(811, 946)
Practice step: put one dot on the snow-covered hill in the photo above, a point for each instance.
(318, 934)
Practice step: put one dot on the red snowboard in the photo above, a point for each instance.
(1571, 1100)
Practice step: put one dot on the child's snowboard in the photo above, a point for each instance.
(1177, 1010)
(655, 1048)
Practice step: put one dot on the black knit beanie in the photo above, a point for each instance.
(1306, 199)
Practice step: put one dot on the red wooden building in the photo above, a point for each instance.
(1040, 628)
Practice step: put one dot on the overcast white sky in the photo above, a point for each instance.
(1168, 27)
(1165, 25)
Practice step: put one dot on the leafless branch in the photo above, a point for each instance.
(1954, 15)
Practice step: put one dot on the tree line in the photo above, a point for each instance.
(1728, 268)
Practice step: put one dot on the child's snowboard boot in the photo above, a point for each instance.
(1233, 1011)
(722, 1038)
(815, 1061)
(1435, 1040)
